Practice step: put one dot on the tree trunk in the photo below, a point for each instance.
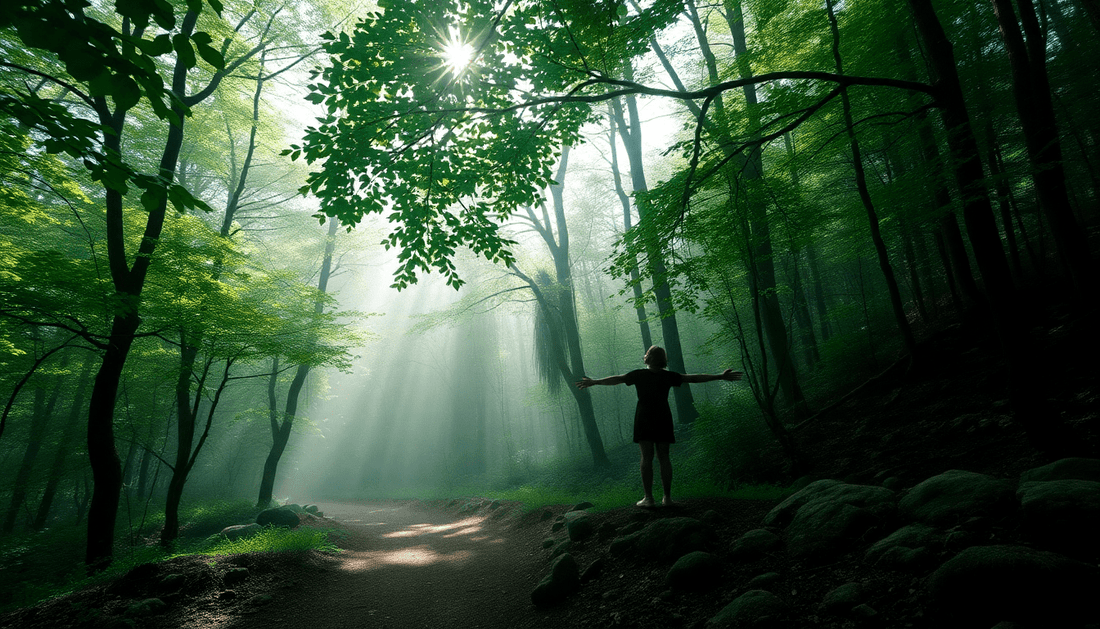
(670, 330)
(128, 283)
(865, 196)
(186, 417)
(761, 240)
(639, 305)
(280, 432)
(102, 455)
(43, 412)
(1046, 430)
(1031, 88)
(68, 433)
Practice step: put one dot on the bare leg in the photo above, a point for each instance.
(666, 472)
(646, 448)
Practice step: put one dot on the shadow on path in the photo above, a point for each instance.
(411, 565)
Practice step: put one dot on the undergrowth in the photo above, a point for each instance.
(38, 566)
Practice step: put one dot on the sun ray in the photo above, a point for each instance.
(457, 53)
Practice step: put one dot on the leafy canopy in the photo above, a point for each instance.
(450, 156)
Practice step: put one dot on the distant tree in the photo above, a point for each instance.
(110, 64)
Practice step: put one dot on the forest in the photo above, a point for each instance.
(272, 252)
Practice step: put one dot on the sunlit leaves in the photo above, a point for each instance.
(450, 155)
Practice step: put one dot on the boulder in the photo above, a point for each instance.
(563, 580)
(711, 518)
(842, 599)
(172, 582)
(279, 516)
(754, 544)
(146, 607)
(765, 581)
(582, 506)
(823, 529)
(827, 490)
(984, 585)
(606, 531)
(238, 531)
(907, 547)
(755, 608)
(593, 570)
(1063, 515)
(579, 525)
(694, 571)
(666, 539)
(956, 496)
(561, 549)
(1073, 468)
(233, 576)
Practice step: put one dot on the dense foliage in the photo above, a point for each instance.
(802, 190)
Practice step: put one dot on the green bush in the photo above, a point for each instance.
(731, 443)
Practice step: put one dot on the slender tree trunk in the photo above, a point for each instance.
(68, 433)
(1000, 185)
(1046, 430)
(865, 196)
(40, 421)
(631, 134)
(128, 283)
(949, 272)
(760, 230)
(819, 294)
(1031, 88)
(635, 282)
(186, 413)
(280, 431)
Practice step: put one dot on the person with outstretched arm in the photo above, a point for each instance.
(653, 417)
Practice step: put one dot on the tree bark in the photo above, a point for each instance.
(865, 197)
(68, 433)
(1031, 89)
(280, 431)
(1027, 390)
(631, 133)
(760, 230)
(40, 421)
(624, 200)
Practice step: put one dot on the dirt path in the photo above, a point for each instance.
(408, 565)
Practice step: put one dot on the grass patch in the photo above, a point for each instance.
(272, 539)
(38, 566)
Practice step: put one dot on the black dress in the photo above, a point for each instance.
(653, 417)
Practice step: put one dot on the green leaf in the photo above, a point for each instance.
(164, 14)
(207, 52)
(217, 6)
(124, 91)
(159, 45)
(152, 198)
(185, 53)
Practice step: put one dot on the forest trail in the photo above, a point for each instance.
(407, 564)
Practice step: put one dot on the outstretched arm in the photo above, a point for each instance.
(728, 374)
(587, 382)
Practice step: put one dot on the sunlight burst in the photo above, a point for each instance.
(457, 53)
